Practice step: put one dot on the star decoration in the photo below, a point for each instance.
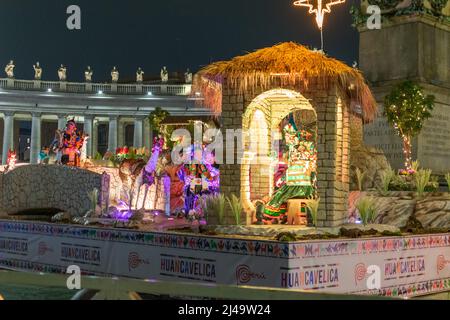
(320, 10)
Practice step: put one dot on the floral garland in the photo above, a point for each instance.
(126, 153)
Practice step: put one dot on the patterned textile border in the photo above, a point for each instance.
(263, 248)
(404, 266)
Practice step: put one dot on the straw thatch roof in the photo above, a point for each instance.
(293, 64)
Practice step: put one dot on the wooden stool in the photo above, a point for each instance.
(297, 212)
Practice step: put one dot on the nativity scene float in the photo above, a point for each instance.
(297, 116)
(274, 198)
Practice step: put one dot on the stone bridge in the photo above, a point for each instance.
(37, 187)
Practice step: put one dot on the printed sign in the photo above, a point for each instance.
(397, 266)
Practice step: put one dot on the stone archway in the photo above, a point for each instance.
(260, 125)
(333, 142)
(256, 149)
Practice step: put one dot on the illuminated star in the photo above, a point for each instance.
(320, 10)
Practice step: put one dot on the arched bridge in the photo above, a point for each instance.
(41, 187)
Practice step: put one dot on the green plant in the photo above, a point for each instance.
(236, 208)
(402, 183)
(433, 185)
(422, 179)
(447, 179)
(98, 156)
(406, 109)
(386, 179)
(167, 132)
(367, 210)
(360, 176)
(214, 204)
(313, 207)
(156, 118)
(416, 165)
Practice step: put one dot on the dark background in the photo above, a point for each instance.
(151, 33)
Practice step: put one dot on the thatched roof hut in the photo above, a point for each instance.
(294, 65)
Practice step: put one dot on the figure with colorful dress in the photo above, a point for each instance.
(199, 179)
(11, 160)
(73, 141)
(295, 177)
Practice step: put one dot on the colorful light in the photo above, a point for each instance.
(320, 10)
(11, 160)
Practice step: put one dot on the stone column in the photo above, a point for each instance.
(121, 133)
(94, 139)
(88, 129)
(61, 121)
(138, 141)
(148, 135)
(8, 135)
(112, 133)
(35, 138)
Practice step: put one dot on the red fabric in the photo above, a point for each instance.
(176, 188)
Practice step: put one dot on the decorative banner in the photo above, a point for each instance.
(408, 266)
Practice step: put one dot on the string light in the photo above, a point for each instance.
(407, 109)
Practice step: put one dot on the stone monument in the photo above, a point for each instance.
(114, 75)
(139, 75)
(88, 74)
(188, 76)
(9, 69)
(62, 73)
(164, 75)
(412, 44)
(37, 71)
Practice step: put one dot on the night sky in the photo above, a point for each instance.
(153, 33)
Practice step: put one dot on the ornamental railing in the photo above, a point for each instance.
(164, 89)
